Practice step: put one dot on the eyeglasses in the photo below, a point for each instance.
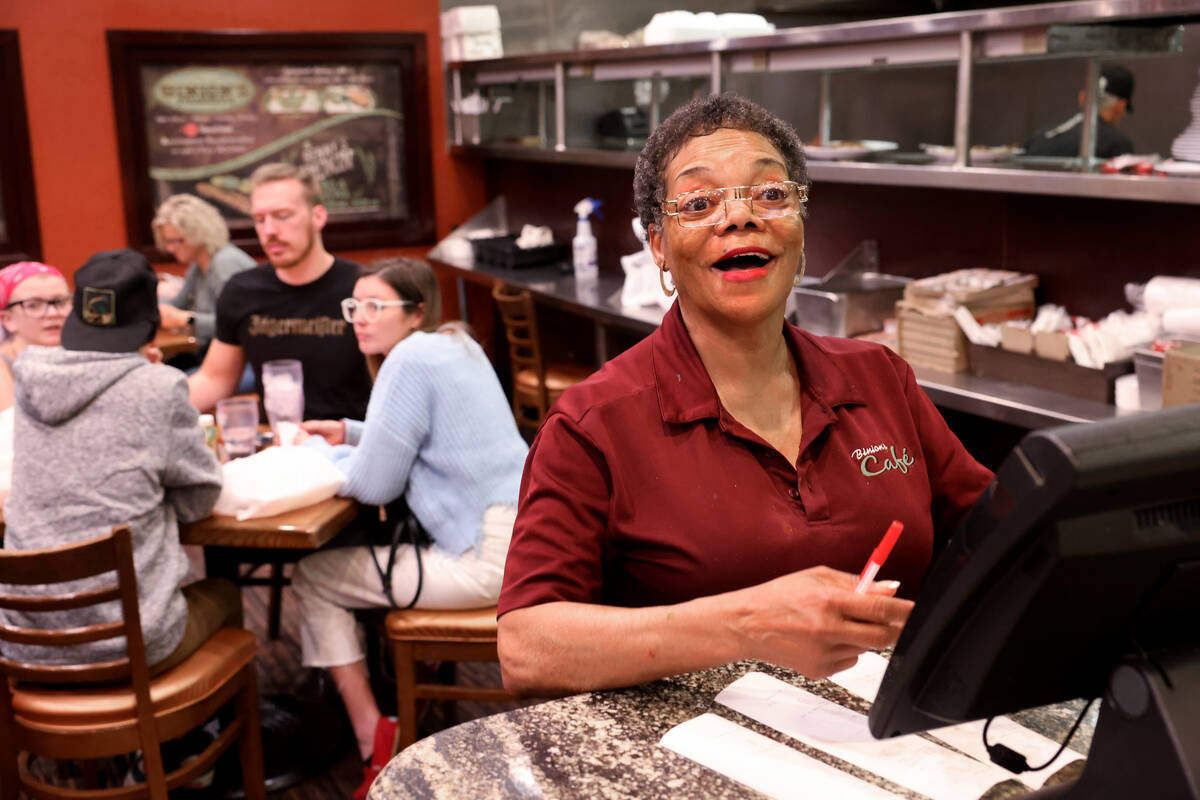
(710, 206)
(371, 308)
(38, 306)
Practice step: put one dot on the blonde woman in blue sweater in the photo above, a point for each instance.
(439, 433)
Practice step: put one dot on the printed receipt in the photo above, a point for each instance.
(863, 679)
(763, 764)
(909, 761)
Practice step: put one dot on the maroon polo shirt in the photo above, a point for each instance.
(641, 489)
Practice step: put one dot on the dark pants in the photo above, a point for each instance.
(212, 604)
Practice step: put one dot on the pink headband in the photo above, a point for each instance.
(12, 276)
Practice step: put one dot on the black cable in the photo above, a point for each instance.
(1146, 659)
(1016, 763)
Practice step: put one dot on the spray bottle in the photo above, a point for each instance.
(584, 243)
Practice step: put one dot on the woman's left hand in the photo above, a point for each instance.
(334, 430)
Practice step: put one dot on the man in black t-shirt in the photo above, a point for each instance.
(1114, 99)
(289, 307)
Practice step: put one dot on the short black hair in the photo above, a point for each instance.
(700, 117)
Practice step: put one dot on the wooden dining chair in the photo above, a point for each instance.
(536, 385)
(448, 636)
(91, 711)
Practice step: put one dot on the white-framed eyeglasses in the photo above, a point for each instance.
(710, 206)
(371, 308)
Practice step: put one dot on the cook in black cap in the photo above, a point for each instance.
(1115, 97)
(116, 304)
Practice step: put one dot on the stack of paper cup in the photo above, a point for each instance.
(1165, 292)
(1184, 322)
(1186, 146)
(1125, 393)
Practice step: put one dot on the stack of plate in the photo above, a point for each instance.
(1187, 145)
(845, 150)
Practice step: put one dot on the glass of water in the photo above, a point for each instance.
(237, 417)
(283, 397)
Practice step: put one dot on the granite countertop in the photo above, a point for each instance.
(605, 745)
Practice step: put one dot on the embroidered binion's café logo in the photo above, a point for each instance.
(880, 458)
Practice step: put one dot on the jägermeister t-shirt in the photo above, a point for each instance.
(270, 319)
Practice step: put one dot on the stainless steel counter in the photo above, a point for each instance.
(991, 178)
(1026, 19)
(1004, 401)
(1089, 29)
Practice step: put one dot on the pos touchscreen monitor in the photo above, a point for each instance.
(1075, 574)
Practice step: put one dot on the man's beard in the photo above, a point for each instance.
(308, 248)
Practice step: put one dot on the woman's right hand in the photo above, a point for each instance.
(813, 621)
(333, 430)
(810, 621)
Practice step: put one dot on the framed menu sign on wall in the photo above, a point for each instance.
(197, 113)
(19, 235)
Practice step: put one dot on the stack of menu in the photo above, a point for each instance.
(930, 337)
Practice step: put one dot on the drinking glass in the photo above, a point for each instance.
(237, 417)
(283, 396)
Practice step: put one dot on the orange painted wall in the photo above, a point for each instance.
(71, 117)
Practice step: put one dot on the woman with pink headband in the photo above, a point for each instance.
(34, 302)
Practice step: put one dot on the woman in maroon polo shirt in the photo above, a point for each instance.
(711, 494)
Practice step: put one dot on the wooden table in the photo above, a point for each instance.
(176, 341)
(306, 528)
(228, 543)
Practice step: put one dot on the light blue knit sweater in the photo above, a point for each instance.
(440, 431)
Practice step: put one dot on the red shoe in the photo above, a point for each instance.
(385, 741)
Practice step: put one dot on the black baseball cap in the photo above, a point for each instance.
(1118, 81)
(116, 304)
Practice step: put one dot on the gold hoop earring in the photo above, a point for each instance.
(798, 281)
(662, 281)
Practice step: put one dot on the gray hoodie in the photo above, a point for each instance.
(101, 439)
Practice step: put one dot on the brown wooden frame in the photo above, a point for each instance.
(129, 50)
(17, 196)
(445, 636)
(536, 385)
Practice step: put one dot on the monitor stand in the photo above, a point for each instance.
(1147, 741)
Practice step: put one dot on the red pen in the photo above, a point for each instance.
(879, 555)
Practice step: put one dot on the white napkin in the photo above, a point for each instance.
(277, 480)
(641, 287)
(534, 236)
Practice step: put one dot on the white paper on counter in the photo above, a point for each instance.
(863, 680)
(763, 764)
(910, 761)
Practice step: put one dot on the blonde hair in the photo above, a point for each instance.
(198, 221)
(279, 171)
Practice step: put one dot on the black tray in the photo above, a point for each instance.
(502, 252)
